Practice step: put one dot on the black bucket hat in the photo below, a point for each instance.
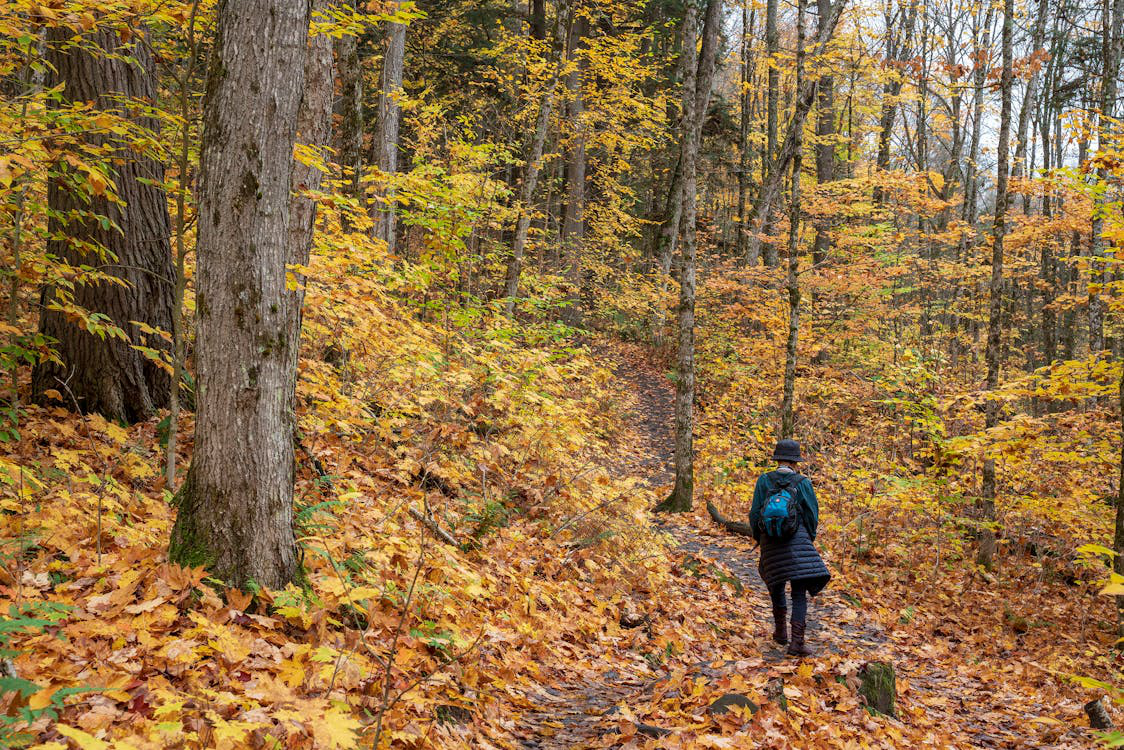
(787, 450)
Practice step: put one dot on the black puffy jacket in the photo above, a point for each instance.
(795, 558)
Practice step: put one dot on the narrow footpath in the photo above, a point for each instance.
(965, 707)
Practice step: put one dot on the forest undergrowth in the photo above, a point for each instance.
(480, 568)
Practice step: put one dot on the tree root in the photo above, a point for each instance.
(734, 527)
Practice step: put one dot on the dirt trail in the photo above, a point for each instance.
(575, 714)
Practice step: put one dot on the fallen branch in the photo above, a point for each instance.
(734, 527)
(434, 527)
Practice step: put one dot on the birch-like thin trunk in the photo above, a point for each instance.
(1112, 16)
(698, 82)
(986, 553)
(526, 194)
(805, 97)
(793, 276)
(682, 494)
(350, 144)
(825, 147)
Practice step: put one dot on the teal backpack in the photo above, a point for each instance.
(780, 518)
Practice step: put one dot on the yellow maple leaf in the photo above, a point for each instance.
(336, 730)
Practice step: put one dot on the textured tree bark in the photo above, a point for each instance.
(235, 507)
(825, 148)
(793, 276)
(538, 19)
(682, 494)
(386, 140)
(772, 48)
(109, 376)
(314, 127)
(350, 144)
(986, 553)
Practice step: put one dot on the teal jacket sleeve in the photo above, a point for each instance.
(811, 507)
(757, 507)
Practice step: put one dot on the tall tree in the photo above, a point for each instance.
(793, 276)
(995, 315)
(350, 138)
(1112, 17)
(386, 139)
(530, 181)
(235, 507)
(825, 147)
(109, 376)
(682, 494)
(772, 49)
(573, 213)
(697, 67)
(745, 152)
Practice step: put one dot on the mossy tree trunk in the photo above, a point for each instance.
(235, 507)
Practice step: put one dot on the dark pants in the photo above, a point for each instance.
(799, 599)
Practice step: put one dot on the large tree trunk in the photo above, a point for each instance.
(825, 147)
(235, 507)
(386, 139)
(995, 322)
(108, 375)
(682, 495)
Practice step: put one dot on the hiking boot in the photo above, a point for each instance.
(797, 647)
(780, 622)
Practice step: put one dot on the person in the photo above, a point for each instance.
(794, 560)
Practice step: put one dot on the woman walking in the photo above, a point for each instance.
(784, 518)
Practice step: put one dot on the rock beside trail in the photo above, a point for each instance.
(878, 687)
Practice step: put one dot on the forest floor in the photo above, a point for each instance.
(948, 696)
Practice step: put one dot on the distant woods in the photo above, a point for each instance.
(941, 173)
